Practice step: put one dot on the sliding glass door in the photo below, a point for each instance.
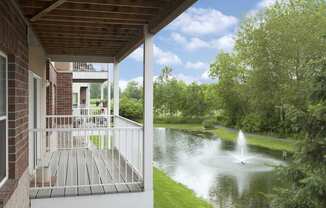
(3, 119)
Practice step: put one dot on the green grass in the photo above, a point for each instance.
(226, 134)
(170, 194)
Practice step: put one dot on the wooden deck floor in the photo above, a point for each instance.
(85, 172)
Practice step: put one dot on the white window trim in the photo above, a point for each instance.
(3, 181)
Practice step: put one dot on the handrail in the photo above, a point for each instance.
(128, 120)
(78, 116)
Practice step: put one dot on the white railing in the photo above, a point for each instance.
(89, 111)
(85, 67)
(78, 153)
(78, 121)
(123, 137)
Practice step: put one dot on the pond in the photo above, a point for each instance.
(210, 168)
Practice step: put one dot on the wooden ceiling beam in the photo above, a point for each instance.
(81, 48)
(81, 52)
(46, 10)
(88, 26)
(75, 20)
(83, 33)
(126, 3)
(32, 8)
(100, 16)
(80, 41)
(81, 36)
(66, 44)
(141, 4)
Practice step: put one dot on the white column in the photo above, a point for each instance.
(116, 92)
(102, 91)
(109, 93)
(148, 110)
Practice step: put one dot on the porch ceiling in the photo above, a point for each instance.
(107, 28)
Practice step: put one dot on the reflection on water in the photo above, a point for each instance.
(208, 167)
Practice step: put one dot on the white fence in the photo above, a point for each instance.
(89, 111)
(77, 153)
(123, 139)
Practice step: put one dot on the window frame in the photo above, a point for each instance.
(4, 180)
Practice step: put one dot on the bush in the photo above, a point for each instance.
(131, 108)
(221, 118)
(252, 123)
(209, 123)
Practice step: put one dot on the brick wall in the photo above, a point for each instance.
(64, 94)
(51, 76)
(13, 42)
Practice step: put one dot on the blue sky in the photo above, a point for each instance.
(192, 41)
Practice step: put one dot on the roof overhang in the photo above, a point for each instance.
(97, 30)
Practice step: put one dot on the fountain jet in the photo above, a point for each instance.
(241, 147)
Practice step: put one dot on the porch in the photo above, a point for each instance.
(86, 155)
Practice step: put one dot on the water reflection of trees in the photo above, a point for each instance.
(225, 193)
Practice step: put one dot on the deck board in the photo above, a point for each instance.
(83, 179)
(93, 173)
(84, 167)
(61, 174)
(72, 174)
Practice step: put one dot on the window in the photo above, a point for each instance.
(75, 100)
(3, 120)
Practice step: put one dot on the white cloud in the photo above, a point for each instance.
(165, 57)
(186, 78)
(178, 38)
(200, 21)
(123, 83)
(197, 65)
(205, 75)
(161, 57)
(196, 43)
(265, 3)
(190, 44)
(225, 43)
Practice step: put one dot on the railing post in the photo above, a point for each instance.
(148, 110)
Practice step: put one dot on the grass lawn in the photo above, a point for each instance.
(170, 194)
(267, 142)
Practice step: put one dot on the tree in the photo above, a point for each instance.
(230, 75)
(307, 172)
(133, 90)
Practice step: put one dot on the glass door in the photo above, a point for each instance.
(3, 119)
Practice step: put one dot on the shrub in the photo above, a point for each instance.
(131, 108)
(209, 123)
(251, 123)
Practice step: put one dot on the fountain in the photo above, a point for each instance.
(241, 152)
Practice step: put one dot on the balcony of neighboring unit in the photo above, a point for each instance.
(87, 73)
(86, 154)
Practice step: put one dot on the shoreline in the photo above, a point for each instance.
(267, 143)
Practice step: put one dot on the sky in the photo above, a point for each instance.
(192, 41)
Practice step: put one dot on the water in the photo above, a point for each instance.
(229, 176)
